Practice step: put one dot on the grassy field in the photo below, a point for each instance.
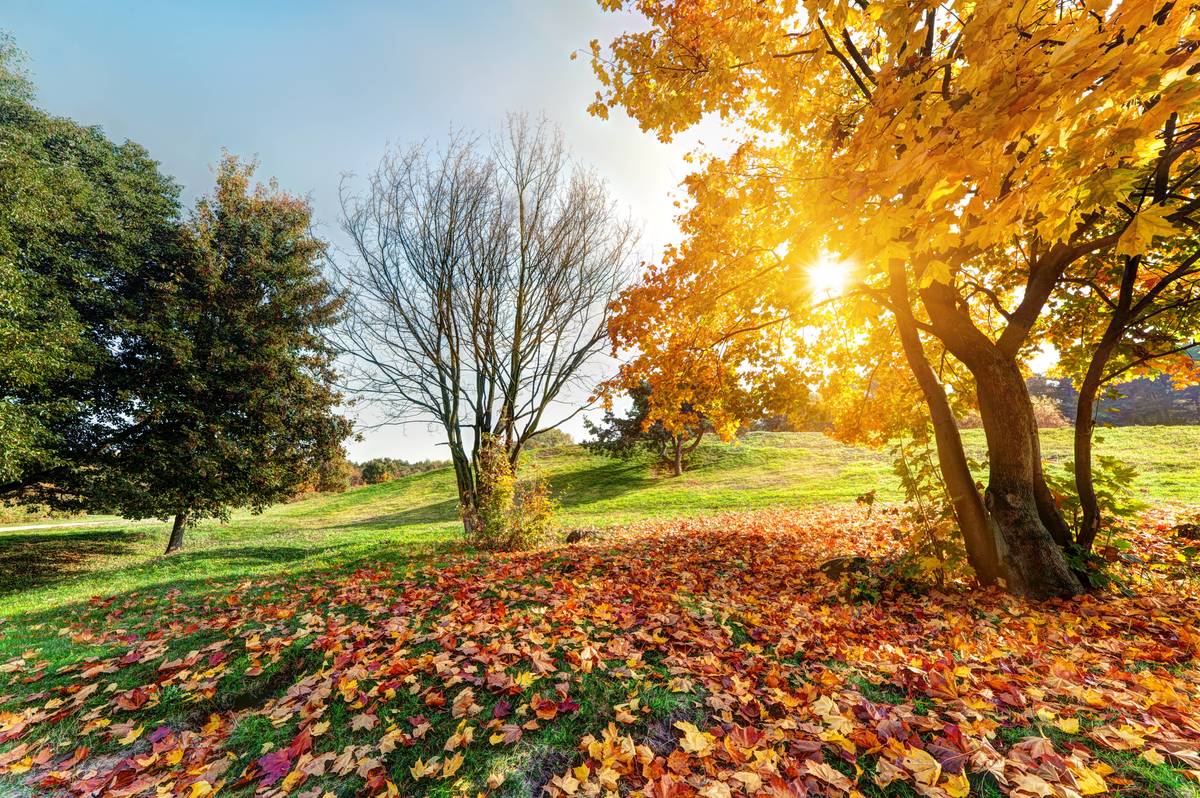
(343, 640)
(416, 516)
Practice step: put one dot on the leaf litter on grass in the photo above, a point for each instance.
(436, 679)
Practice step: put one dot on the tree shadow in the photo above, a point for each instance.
(571, 490)
(607, 481)
(254, 554)
(35, 559)
(435, 513)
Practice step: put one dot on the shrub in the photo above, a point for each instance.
(550, 439)
(1048, 414)
(509, 516)
(376, 471)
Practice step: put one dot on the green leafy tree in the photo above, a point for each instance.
(82, 223)
(238, 404)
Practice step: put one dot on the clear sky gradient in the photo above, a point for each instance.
(316, 90)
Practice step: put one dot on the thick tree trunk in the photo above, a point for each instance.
(468, 498)
(979, 533)
(1031, 562)
(176, 541)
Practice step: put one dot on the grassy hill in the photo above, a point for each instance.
(416, 516)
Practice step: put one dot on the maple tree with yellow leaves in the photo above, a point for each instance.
(966, 157)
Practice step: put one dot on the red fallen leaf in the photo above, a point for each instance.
(435, 698)
(543, 707)
(567, 706)
(274, 767)
(302, 744)
(80, 753)
(133, 699)
(509, 733)
(502, 709)
(666, 787)
(679, 762)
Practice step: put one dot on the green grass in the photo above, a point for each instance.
(416, 517)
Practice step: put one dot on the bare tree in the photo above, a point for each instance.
(480, 285)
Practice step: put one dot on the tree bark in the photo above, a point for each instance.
(176, 541)
(1031, 562)
(677, 460)
(1048, 511)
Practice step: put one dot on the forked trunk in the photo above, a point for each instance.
(1031, 562)
(1052, 517)
(177, 529)
(978, 530)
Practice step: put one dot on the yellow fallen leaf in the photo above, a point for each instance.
(925, 769)
(1153, 757)
(133, 734)
(200, 789)
(1068, 725)
(957, 785)
(694, 741)
(1088, 781)
(715, 789)
(452, 765)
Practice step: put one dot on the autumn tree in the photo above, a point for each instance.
(965, 158)
(690, 358)
(625, 436)
(236, 405)
(1132, 311)
(480, 283)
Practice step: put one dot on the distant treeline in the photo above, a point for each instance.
(385, 469)
(1142, 401)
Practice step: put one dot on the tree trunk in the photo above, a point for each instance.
(468, 498)
(979, 533)
(1031, 562)
(1085, 424)
(677, 460)
(1052, 517)
(177, 530)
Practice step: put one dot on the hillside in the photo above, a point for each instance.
(416, 515)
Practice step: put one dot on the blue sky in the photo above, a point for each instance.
(315, 90)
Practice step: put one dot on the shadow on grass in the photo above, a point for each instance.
(437, 512)
(607, 481)
(572, 490)
(36, 559)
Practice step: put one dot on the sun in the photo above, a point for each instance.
(828, 277)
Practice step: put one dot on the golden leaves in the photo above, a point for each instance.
(1147, 223)
(694, 741)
